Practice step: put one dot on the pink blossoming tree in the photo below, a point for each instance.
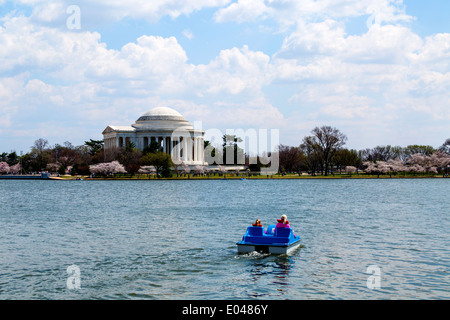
(107, 168)
(4, 167)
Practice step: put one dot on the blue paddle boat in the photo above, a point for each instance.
(274, 240)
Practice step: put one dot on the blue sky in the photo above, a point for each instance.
(378, 70)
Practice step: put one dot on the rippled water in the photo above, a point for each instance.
(177, 239)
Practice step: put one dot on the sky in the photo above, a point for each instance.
(377, 70)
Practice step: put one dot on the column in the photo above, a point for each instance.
(175, 154)
(199, 150)
(185, 153)
(193, 149)
(202, 150)
(196, 150)
(190, 148)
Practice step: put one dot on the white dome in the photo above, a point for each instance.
(162, 118)
(162, 113)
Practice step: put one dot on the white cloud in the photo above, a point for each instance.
(233, 71)
(243, 11)
(188, 34)
(380, 44)
(289, 12)
(387, 73)
(109, 11)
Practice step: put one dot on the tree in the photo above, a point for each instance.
(40, 155)
(311, 149)
(4, 167)
(161, 161)
(212, 155)
(65, 155)
(40, 145)
(446, 146)
(441, 160)
(350, 169)
(81, 169)
(379, 153)
(379, 167)
(153, 147)
(345, 157)
(94, 146)
(232, 154)
(291, 159)
(107, 168)
(131, 158)
(329, 141)
(419, 149)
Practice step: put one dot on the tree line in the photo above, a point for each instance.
(321, 153)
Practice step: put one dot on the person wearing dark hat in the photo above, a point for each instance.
(257, 223)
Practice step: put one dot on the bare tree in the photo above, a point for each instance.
(40, 145)
(311, 149)
(329, 140)
(446, 146)
(291, 158)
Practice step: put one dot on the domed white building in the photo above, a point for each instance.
(165, 126)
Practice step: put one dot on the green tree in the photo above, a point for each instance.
(94, 146)
(161, 161)
(419, 149)
(153, 147)
(345, 157)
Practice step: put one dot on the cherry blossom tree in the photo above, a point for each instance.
(147, 170)
(417, 158)
(350, 169)
(416, 168)
(107, 168)
(186, 169)
(4, 167)
(440, 159)
(379, 167)
(15, 168)
(396, 165)
(200, 170)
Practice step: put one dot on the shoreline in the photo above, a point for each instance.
(206, 178)
(87, 178)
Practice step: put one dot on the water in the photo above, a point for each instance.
(177, 239)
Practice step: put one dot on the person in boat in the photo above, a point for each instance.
(283, 222)
(257, 223)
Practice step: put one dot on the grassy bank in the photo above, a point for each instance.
(255, 177)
